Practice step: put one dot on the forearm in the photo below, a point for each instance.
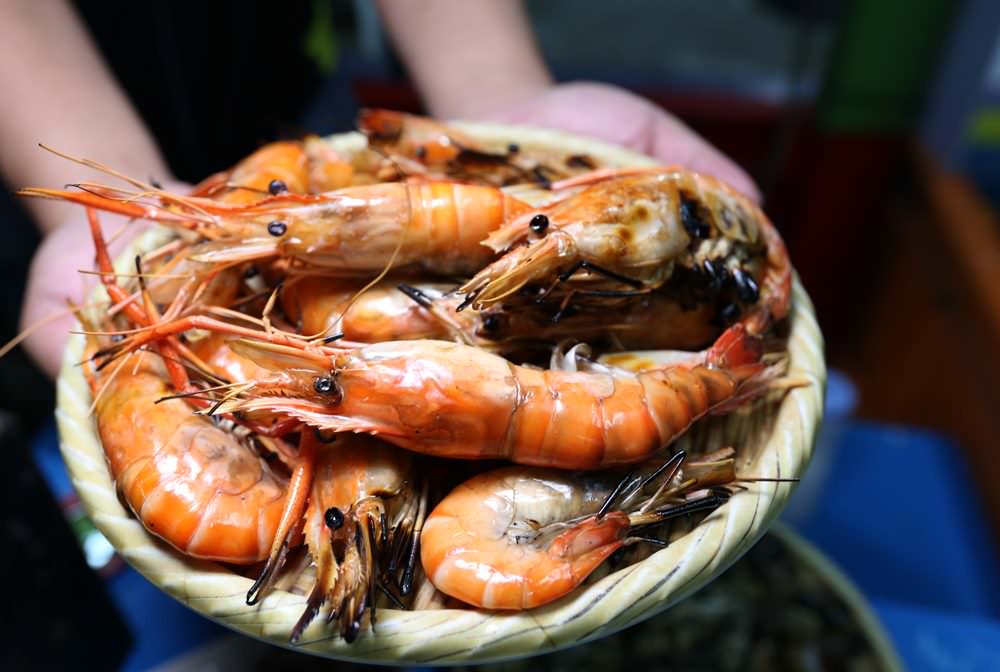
(57, 90)
(467, 58)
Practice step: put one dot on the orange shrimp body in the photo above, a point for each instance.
(439, 226)
(456, 401)
(325, 305)
(190, 482)
(481, 544)
(307, 167)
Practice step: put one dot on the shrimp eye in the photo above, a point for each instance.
(492, 323)
(276, 187)
(539, 224)
(421, 152)
(277, 228)
(324, 385)
(334, 518)
(513, 148)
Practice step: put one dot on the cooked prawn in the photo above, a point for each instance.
(437, 226)
(176, 499)
(521, 537)
(191, 482)
(457, 401)
(415, 138)
(634, 229)
(273, 169)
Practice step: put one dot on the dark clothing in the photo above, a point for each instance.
(212, 80)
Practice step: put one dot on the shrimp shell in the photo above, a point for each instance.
(456, 401)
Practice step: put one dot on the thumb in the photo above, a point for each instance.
(54, 284)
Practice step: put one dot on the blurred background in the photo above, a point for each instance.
(873, 130)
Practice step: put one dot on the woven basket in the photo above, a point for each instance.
(773, 439)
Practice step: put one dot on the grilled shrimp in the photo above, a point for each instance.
(456, 401)
(521, 537)
(392, 310)
(198, 483)
(437, 226)
(412, 137)
(635, 229)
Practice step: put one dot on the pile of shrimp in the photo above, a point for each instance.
(318, 378)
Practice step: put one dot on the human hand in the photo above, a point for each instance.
(617, 116)
(55, 282)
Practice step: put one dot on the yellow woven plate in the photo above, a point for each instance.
(773, 440)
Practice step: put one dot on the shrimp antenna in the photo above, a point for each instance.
(386, 590)
(674, 463)
(417, 295)
(709, 502)
(100, 167)
(611, 498)
(418, 527)
(584, 265)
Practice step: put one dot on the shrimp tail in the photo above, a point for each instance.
(735, 348)
(740, 353)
